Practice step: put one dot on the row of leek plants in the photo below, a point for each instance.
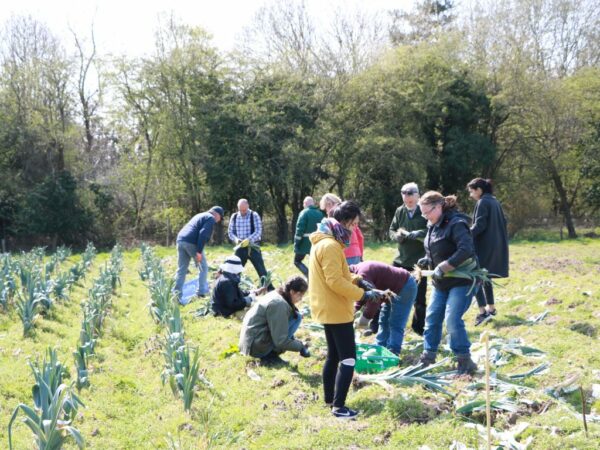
(35, 285)
(182, 363)
(95, 310)
(54, 408)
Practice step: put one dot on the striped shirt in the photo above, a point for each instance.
(240, 227)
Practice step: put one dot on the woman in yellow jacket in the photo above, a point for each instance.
(333, 291)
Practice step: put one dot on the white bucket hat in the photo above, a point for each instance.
(232, 264)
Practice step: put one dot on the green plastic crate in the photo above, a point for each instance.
(378, 358)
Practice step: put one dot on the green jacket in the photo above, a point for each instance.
(308, 220)
(265, 327)
(410, 250)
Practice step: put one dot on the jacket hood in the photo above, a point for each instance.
(318, 236)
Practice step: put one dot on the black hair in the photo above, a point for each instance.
(345, 211)
(480, 183)
(295, 283)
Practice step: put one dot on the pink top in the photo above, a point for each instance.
(357, 244)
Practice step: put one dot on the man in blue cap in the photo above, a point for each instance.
(190, 245)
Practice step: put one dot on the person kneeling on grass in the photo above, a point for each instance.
(227, 297)
(394, 313)
(271, 322)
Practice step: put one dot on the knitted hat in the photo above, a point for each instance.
(217, 209)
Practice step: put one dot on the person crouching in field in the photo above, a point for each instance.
(448, 244)
(394, 312)
(227, 297)
(269, 326)
(333, 291)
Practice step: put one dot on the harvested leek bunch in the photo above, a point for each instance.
(411, 375)
(404, 232)
(247, 244)
(468, 270)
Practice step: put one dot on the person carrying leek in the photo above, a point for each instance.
(271, 322)
(245, 231)
(448, 244)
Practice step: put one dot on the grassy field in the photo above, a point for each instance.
(258, 407)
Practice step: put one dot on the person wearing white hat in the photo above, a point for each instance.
(227, 297)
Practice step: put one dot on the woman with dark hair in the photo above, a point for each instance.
(490, 237)
(269, 326)
(448, 244)
(333, 291)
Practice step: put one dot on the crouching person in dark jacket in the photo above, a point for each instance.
(227, 297)
(448, 244)
(270, 324)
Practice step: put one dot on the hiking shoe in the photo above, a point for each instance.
(427, 359)
(272, 359)
(482, 318)
(344, 413)
(493, 313)
(466, 366)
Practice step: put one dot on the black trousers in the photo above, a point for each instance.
(420, 306)
(485, 295)
(337, 377)
(298, 257)
(256, 259)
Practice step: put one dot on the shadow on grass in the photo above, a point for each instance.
(508, 321)
(369, 407)
(314, 380)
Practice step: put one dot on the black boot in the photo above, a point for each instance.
(465, 365)
(427, 359)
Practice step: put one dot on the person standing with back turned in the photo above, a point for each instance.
(490, 237)
(308, 220)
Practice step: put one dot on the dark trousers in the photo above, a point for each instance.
(298, 257)
(337, 377)
(256, 259)
(485, 295)
(418, 320)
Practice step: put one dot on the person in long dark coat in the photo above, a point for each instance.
(490, 237)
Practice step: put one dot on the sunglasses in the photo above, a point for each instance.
(408, 192)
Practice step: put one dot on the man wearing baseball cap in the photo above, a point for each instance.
(190, 245)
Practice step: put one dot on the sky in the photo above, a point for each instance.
(127, 27)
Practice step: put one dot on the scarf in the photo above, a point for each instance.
(333, 228)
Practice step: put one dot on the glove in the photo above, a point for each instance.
(438, 273)
(412, 236)
(304, 352)
(245, 243)
(424, 263)
(371, 296)
(366, 285)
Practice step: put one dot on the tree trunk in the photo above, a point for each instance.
(565, 206)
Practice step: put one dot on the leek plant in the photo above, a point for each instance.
(51, 426)
(468, 270)
(81, 363)
(161, 299)
(27, 306)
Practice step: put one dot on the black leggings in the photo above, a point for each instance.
(337, 377)
(485, 295)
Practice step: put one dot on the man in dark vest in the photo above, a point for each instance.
(245, 231)
(308, 220)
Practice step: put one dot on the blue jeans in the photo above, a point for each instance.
(293, 326)
(393, 317)
(185, 252)
(449, 306)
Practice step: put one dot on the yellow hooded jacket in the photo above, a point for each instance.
(332, 288)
